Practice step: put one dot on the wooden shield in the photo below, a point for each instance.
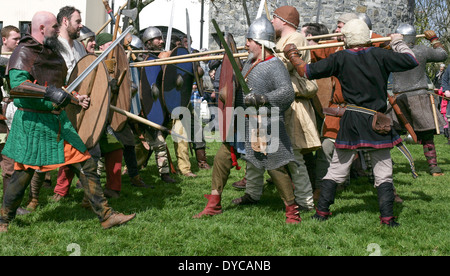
(90, 123)
(177, 82)
(151, 82)
(227, 88)
(122, 100)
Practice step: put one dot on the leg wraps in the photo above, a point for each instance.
(429, 151)
(327, 195)
(14, 194)
(386, 198)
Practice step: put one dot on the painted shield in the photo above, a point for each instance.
(90, 123)
(122, 99)
(177, 82)
(227, 88)
(151, 94)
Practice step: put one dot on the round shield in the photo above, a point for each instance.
(122, 99)
(90, 123)
(227, 88)
(177, 82)
(151, 94)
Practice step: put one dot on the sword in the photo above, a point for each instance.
(169, 30)
(236, 69)
(96, 62)
(247, 16)
(196, 76)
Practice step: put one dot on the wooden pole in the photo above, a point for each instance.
(158, 62)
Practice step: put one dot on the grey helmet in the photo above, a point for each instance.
(136, 42)
(85, 32)
(409, 33)
(366, 19)
(262, 31)
(150, 33)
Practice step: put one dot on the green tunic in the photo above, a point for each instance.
(38, 138)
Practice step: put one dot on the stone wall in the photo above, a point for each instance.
(385, 15)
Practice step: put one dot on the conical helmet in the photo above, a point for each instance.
(364, 17)
(262, 31)
(150, 33)
(136, 43)
(85, 32)
(409, 33)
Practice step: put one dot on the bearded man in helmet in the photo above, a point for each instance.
(410, 89)
(271, 93)
(300, 119)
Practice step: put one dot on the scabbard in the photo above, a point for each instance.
(402, 118)
(334, 111)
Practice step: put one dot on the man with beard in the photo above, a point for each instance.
(271, 94)
(300, 116)
(42, 137)
(153, 41)
(69, 19)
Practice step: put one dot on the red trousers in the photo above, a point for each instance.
(113, 167)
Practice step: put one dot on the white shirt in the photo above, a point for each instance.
(72, 54)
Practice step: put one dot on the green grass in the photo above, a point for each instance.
(164, 225)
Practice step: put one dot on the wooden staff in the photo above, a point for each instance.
(379, 39)
(145, 121)
(182, 60)
(433, 106)
(109, 20)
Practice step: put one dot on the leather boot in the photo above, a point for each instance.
(240, 184)
(212, 208)
(397, 199)
(117, 219)
(166, 178)
(386, 204)
(246, 199)
(326, 198)
(201, 159)
(137, 181)
(292, 214)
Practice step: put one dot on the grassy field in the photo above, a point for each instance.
(164, 225)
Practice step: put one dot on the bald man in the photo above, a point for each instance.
(42, 138)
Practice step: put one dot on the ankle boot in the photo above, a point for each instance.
(326, 198)
(201, 159)
(292, 214)
(212, 208)
(386, 204)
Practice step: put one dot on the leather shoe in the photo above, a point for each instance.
(117, 219)
(190, 174)
(240, 184)
(57, 197)
(3, 227)
(111, 193)
(166, 178)
(246, 199)
(138, 182)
